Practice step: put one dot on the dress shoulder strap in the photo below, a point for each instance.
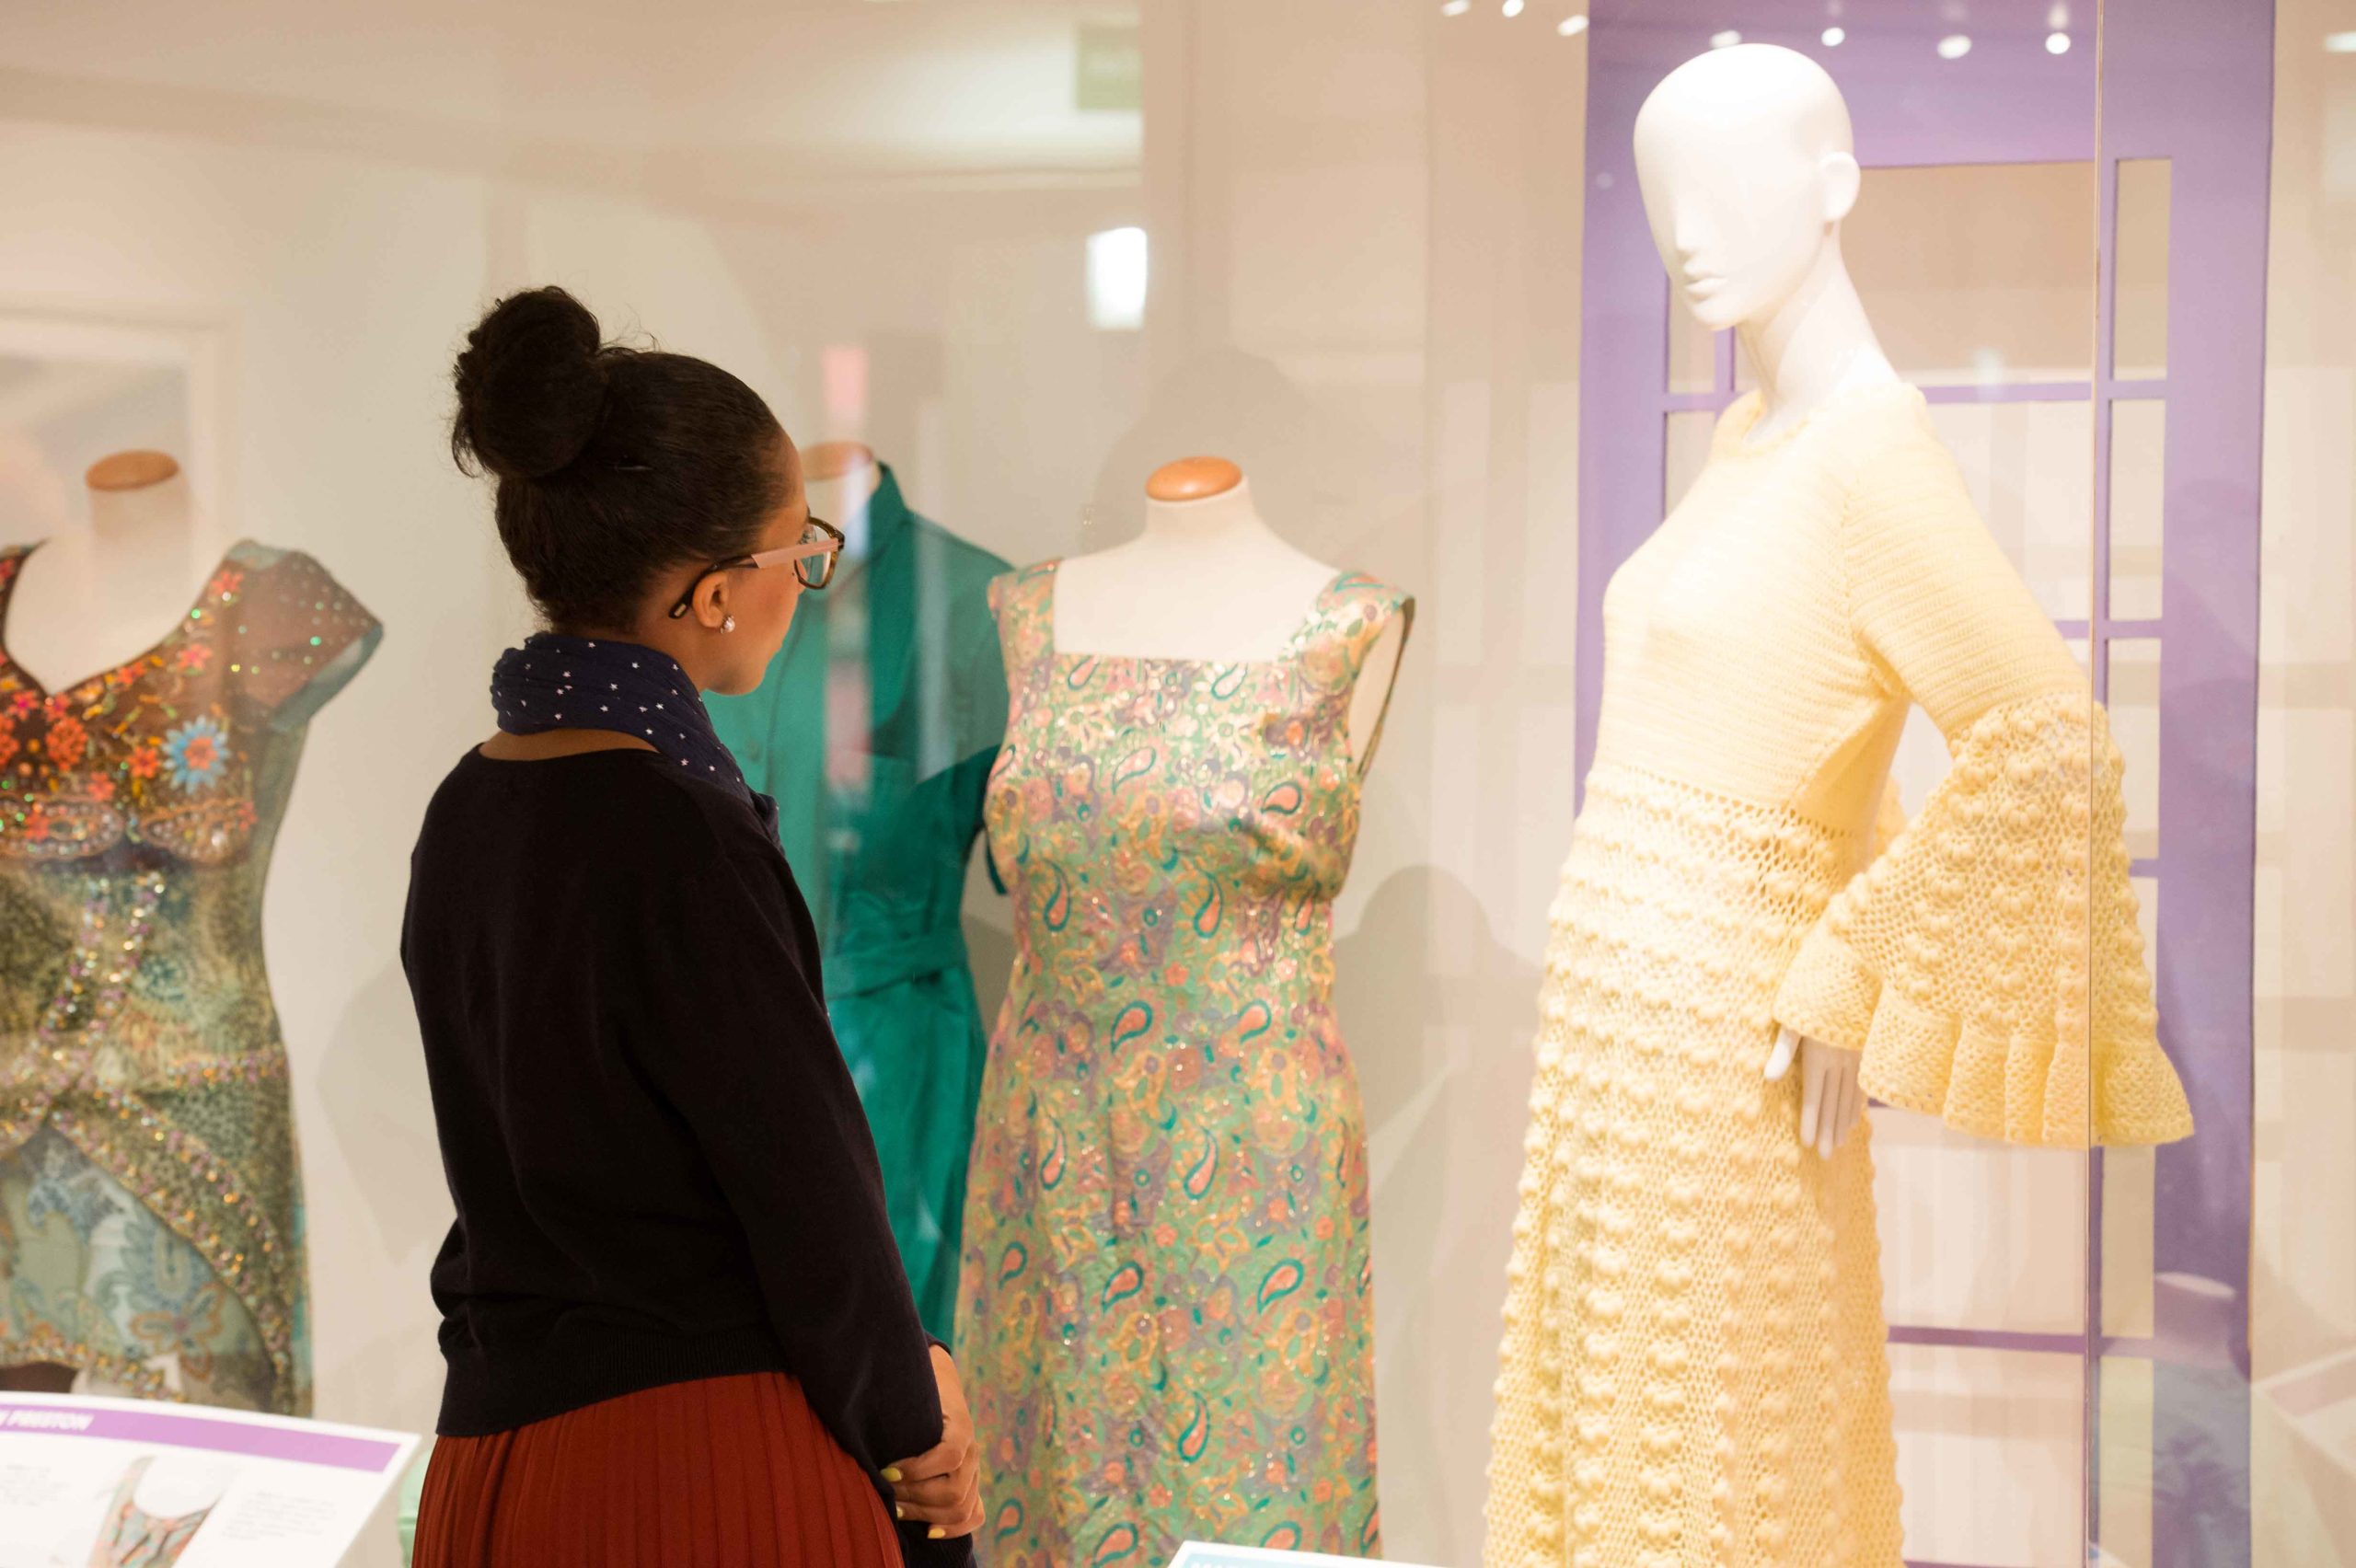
(1332, 646)
(1023, 602)
(1351, 613)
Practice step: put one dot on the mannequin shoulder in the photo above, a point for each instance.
(1879, 424)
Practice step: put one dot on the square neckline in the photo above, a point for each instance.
(1289, 653)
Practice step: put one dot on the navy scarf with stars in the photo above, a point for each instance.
(571, 682)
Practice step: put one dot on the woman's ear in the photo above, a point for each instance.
(710, 608)
(1842, 179)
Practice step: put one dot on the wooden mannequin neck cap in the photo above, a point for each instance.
(130, 471)
(1192, 478)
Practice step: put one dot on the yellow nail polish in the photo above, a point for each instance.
(892, 1474)
(898, 1512)
(936, 1533)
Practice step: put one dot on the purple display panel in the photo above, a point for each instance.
(2011, 101)
(2191, 81)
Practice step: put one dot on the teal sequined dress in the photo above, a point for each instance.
(151, 1205)
(875, 730)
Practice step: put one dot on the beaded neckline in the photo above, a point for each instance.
(195, 612)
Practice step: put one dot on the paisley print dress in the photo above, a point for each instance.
(1165, 1312)
(150, 1217)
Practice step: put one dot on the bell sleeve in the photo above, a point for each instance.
(1988, 964)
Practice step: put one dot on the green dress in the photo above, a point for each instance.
(875, 729)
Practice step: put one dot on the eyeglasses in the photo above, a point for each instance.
(813, 561)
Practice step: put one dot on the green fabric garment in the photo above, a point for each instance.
(875, 730)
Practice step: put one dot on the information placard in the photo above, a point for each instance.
(1204, 1554)
(91, 1480)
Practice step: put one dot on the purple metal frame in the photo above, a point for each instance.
(2186, 80)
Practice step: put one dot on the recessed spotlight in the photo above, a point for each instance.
(1725, 39)
(1571, 26)
(2057, 44)
(2339, 44)
(1116, 279)
(1955, 46)
(1513, 7)
(1835, 37)
(1455, 8)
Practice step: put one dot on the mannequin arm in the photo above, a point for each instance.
(1831, 1101)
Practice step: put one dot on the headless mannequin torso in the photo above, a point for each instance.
(1747, 162)
(88, 602)
(1206, 581)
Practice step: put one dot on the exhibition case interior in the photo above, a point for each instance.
(1580, 785)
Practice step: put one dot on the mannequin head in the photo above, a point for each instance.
(1747, 163)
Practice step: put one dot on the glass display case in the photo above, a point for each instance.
(1392, 259)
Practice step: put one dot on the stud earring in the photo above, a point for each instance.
(728, 625)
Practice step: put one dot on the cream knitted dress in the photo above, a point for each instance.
(1693, 1367)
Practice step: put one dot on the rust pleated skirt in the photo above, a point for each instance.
(722, 1472)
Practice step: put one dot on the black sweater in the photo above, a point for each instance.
(660, 1168)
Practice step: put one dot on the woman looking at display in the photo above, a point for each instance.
(676, 1325)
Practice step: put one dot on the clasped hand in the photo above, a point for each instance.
(1831, 1097)
(943, 1486)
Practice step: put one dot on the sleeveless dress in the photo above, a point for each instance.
(1693, 1366)
(151, 1212)
(1166, 1312)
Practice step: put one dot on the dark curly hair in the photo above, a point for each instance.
(615, 464)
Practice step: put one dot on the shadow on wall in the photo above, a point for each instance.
(1318, 477)
(1430, 1039)
(372, 1082)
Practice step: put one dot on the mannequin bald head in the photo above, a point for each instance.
(1747, 163)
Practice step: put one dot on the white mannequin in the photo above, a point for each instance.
(88, 601)
(1748, 165)
(1210, 581)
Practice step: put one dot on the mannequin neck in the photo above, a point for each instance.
(1813, 343)
(136, 519)
(139, 544)
(844, 500)
(1214, 522)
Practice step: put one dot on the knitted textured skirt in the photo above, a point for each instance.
(729, 1472)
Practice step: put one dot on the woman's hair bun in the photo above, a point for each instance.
(531, 386)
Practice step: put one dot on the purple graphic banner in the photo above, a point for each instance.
(258, 1440)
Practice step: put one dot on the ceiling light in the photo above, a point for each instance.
(1835, 37)
(1116, 279)
(2057, 44)
(1513, 7)
(1725, 39)
(1571, 26)
(1955, 46)
(2339, 44)
(1455, 8)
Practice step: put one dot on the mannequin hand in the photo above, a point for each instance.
(1831, 1097)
